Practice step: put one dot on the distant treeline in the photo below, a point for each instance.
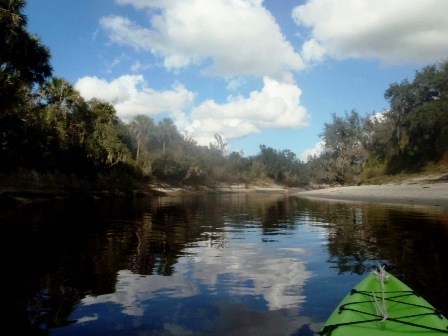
(48, 130)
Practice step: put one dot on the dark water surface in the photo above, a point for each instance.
(232, 264)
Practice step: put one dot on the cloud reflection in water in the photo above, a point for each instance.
(238, 288)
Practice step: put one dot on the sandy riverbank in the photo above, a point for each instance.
(430, 190)
(410, 193)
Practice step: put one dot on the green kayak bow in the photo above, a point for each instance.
(383, 305)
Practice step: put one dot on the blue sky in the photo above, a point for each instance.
(256, 72)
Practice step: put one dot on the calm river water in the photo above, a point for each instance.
(230, 264)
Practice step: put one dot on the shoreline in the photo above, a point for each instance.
(423, 193)
(429, 190)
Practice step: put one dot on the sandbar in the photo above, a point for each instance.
(428, 194)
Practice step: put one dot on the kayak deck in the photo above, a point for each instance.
(384, 307)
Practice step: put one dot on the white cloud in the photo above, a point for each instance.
(312, 51)
(137, 66)
(235, 83)
(391, 31)
(115, 62)
(315, 151)
(277, 105)
(233, 37)
(379, 116)
(131, 96)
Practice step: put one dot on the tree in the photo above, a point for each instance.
(142, 130)
(345, 142)
(426, 124)
(141, 127)
(237, 167)
(220, 144)
(59, 92)
(166, 133)
(269, 158)
(61, 100)
(419, 118)
(105, 145)
(280, 165)
(24, 61)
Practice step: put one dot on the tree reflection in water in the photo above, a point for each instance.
(213, 264)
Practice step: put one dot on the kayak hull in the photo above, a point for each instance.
(387, 307)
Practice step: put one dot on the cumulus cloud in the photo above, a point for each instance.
(131, 96)
(276, 105)
(232, 37)
(391, 31)
(310, 152)
(313, 51)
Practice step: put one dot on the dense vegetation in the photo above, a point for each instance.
(408, 138)
(50, 136)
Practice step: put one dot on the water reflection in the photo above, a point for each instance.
(216, 264)
(207, 288)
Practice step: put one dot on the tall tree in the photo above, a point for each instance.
(402, 100)
(167, 133)
(61, 100)
(419, 118)
(427, 123)
(58, 91)
(24, 61)
(104, 145)
(345, 141)
(142, 128)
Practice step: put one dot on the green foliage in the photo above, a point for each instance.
(418, 119)
(346, 142)
(120, 178)
(24, 61)
(167, 134)
(280, 166)
(408, 137)
(142, 129)
(237, 168)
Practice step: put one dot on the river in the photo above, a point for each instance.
(215, 264)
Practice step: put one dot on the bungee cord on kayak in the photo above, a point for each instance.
(381, 308)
